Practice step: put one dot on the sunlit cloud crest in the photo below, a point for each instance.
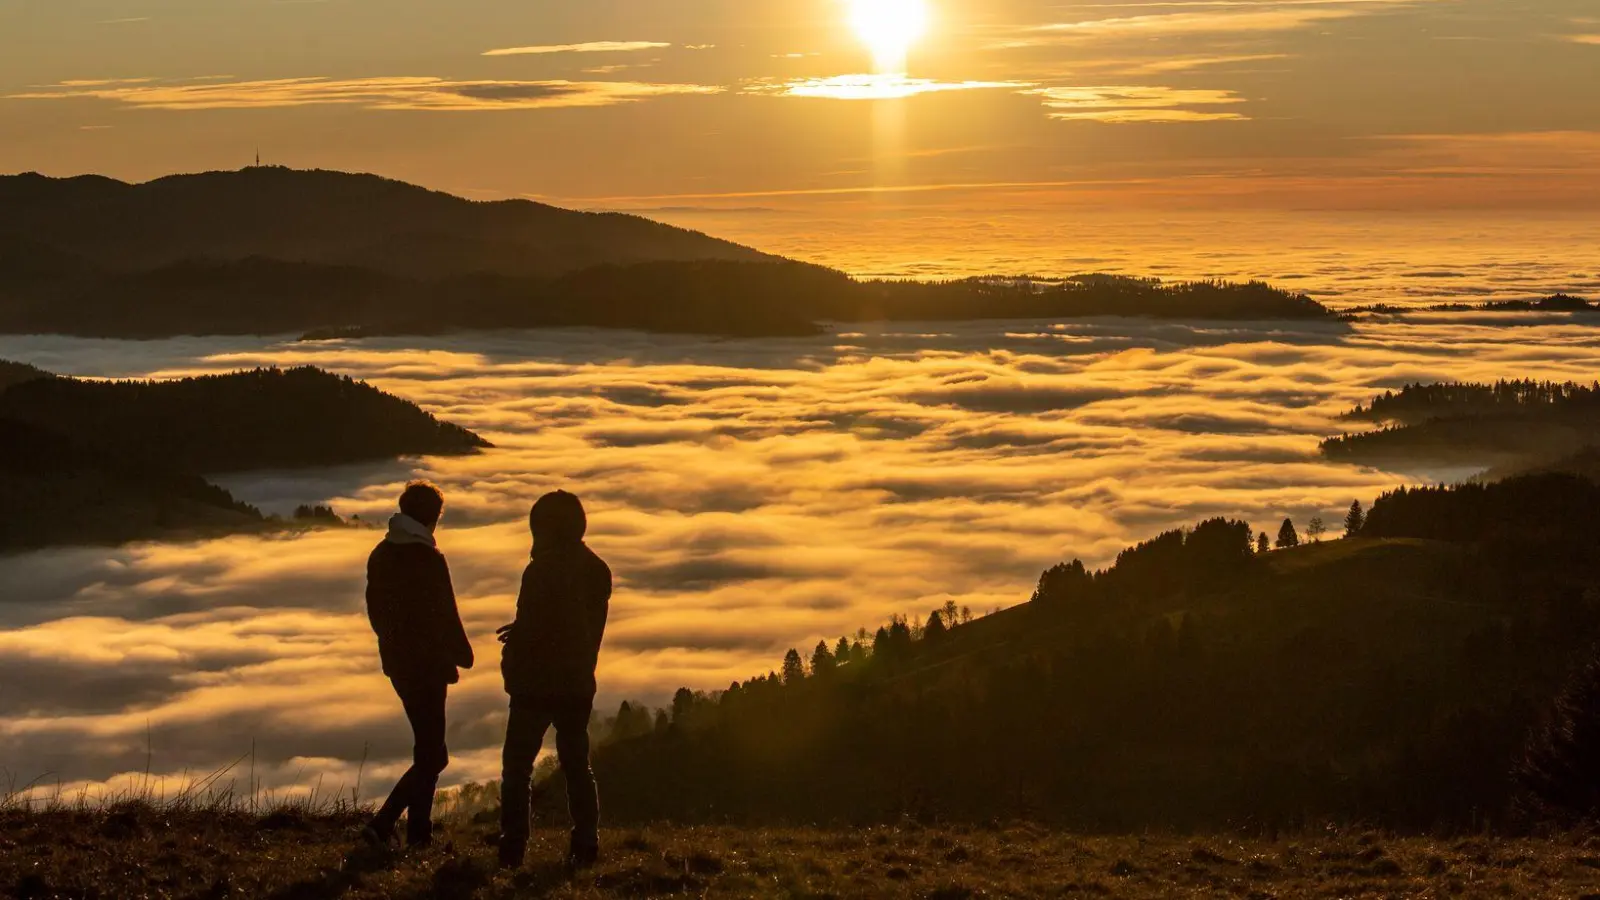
(870, 87)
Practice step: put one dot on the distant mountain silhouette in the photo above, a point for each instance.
(331, 218)
(1390, 679)
(96, 461)
(1553, 303)
(271, 251)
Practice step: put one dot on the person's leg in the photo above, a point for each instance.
(524, 736)
(399, 799)
(425, 707)
(583, 797)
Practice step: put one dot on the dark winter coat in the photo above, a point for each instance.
(561, 609)
(412, 607)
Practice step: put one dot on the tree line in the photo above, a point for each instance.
(1193, 682)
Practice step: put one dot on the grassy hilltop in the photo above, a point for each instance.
(138, 852)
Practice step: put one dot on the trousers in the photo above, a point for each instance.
(531, 717)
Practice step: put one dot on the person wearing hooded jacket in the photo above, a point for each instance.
(412, 607)
(549, 667)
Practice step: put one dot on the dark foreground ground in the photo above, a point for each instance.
(141, 853)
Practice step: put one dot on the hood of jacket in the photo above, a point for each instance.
(405, 530)
(558, 518)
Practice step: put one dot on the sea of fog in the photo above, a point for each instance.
(1342, 259)
(751, 495)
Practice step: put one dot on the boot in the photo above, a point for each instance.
(512, 852)
(582, 856)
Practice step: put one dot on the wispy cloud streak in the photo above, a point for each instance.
(590, 47)
(398, 93)
(1138, 103)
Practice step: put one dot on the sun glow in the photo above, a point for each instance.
(889, 28)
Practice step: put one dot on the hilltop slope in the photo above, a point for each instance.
(266, 418)
(1391, 678)
(110, 462)
(1511, 424)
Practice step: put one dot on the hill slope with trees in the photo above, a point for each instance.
(1518, 424)
(109, 462)
(262, 419)
(1392, 678)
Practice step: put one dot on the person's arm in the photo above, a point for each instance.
(460, 647)
(600, 610)
(522, 622)
(379, 613)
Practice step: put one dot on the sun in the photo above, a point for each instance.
(889, 28)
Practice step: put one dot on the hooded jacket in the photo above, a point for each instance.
(412, 607)
(561, 609)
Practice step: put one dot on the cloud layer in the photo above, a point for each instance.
(751, 495)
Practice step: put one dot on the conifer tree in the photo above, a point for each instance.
(1287, 536)
(1354, 520)
(935, 630)
(1263, 543)
(794, 669)
(822, 661)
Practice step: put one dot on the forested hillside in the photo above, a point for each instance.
(1508, 423)
(267, 418)
(1394, 677)
(73, 494)
(108, 462)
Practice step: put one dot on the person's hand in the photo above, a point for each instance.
(504, 632)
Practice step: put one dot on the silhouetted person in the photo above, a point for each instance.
(412, 606)
(548, 664)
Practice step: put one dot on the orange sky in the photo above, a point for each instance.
(1113, 104)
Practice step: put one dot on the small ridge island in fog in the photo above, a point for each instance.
(107, 462)
(1512, 425)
